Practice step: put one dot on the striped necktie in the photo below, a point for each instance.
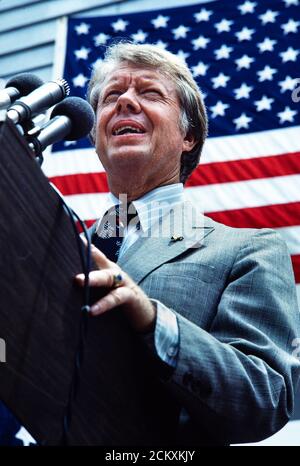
(109, 235)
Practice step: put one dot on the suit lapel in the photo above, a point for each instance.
(163, 243)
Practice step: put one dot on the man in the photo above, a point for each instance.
(215, 305)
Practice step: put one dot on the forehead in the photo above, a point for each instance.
(127, 74)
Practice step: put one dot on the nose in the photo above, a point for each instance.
(128, 102)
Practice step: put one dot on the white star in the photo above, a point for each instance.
(97, 63)
(139, 36)
(266, 74)
(200, 69)
(82, 53)
(247, 7)
(267, 45)
(180, 32)
(244, 62)
(223, 52)
(160, 22)
(269, 16)
(82, 28)
(245, 34)
(25, 437)
(79, 80)
(288, 84)
(200, 43)
(203, 15)
(182, 55)
(218, 109)
(119, 25)
(287, 115)
(224, 25)
(289, 55)
(290, 26)
(101, 39)
(220, 80)
(291, 2)
(242, 121)
(264, 103)
(161, 44)
(243, 92)
(69, 143)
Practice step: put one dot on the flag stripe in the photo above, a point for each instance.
(239, 170)
(71, 162)
(209, 198)
(251, 145)
(214, 173)
(291, 236)
(220, 149)
(243, 194)
(296, 267)
(84, 183)
(212, 198)
(270, 216)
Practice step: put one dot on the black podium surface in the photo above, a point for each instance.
(118, 399)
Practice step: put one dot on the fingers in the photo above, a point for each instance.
(115, 298)
(98, 278)
(99, 258)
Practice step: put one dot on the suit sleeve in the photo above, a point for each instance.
(239, 378)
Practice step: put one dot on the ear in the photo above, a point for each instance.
(189, 143)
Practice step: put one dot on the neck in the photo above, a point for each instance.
(135, 189)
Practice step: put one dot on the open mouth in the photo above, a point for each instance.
(127, 130)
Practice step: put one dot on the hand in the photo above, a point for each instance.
(135, 303)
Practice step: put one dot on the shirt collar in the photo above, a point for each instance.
(151, 206)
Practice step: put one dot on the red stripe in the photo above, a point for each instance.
(89, 223)
(82, 183)
(271, 216)
(211, 173)
(296, 267)
(248, 169)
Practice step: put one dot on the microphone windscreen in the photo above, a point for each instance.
(80, 113)
(25, 83)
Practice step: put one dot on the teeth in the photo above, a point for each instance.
(127, 129)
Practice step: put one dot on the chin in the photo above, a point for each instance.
(128, 156)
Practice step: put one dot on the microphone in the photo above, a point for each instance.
(19, 85)
(71, 119)
(39, 100)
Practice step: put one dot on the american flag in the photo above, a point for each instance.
(245, 57)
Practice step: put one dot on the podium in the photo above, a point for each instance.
(119, 399)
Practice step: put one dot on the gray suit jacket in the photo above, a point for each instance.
(234, 296)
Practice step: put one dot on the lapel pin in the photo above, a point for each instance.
(176, 238)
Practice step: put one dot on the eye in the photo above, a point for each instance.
(150, 92)
(111, 96)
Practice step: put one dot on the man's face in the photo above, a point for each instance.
(138, 124)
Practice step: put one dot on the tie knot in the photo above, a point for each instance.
(125, 213)
(116, 219)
